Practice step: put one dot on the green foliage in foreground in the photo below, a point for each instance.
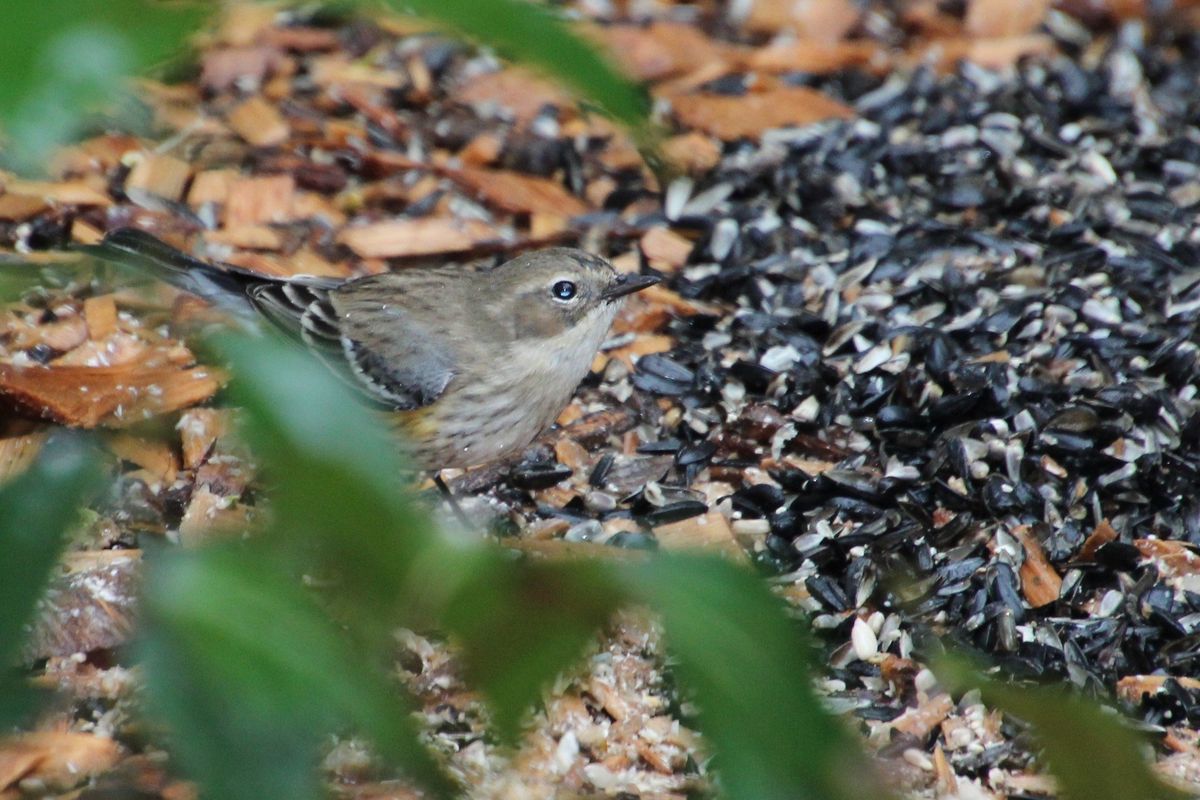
(64, 57)
(36, 509)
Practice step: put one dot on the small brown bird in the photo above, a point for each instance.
(475, 363)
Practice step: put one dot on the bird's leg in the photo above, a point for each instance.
(451, 501)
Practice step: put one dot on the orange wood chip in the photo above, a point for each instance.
(300, 39)
(64, 335)
(748, 116)
(416, 237)
(818, 57)
(992, 18)
(546, 226)
(1101, 535)
(1040, 583)
(100, 314)
(159, 175)
(250, 237)
(998, 54)
(254, 201)
(338, 69)
(519, 92)
(819, 20)
(259, 123)
(672, 301)
(199, 430)
(59, 759)
(1132, 687)
(918, 722)
(222, 69)
(90, 396)
(518, 193)
(211, 186)
(1172, 558)
(708, 532)
(18, 451)
(210, 516)
(484, 149)
(76, 192)
(85, 233)
(95, 155)
(20, 207)
(660, 50)
(664, 249)
(692, 152)
(153, 456)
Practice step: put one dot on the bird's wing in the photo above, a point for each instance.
(392, 339)
(390, 357)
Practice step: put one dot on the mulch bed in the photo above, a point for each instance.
(925, 353)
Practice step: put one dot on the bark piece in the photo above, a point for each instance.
(413, 237)
(1102, 534)
(86, 397)
(518, 193)
(710, 531)
(1040, 582)
(74, 192)
(664, 249)
(259, 123)
(90, 608)
(818, 20)
(749, 116)
(20, 207)
(199, 430)
(519, 93)
(997, 53)
(100, 314)
(692, 152)
(155, 457)
(17, 452)
(211, 186)
(999, 18)
(662, 49)
(818, 58)
(159, 175)
(255, 201)
(248, 237)
(58, 759)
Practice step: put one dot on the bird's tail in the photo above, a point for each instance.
(224, 285)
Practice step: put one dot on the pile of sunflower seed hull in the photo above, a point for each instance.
(979, 300)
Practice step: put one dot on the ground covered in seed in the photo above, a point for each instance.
(926, 355)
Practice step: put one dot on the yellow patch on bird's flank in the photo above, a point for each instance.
(416, 424)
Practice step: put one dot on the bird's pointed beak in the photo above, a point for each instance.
(628, 284)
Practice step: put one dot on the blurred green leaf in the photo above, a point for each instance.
(1089, 751)
(338, 481)
(36, 510)
(61, 58)
(337, 478)
(534, 35)
(523, 623)
(747, 666)
(251, 676)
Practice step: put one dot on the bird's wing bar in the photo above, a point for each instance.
(392, 348)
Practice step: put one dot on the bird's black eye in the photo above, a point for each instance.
(563, 290)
